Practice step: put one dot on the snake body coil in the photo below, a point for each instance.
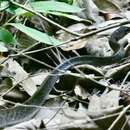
(19, 114)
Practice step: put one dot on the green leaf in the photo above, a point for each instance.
(2, 47)
(6, 36)
(107, 6)
(37, 35)
(45, 6)
(4, 5)
(54, 6)
(74, 17)
(66, 1)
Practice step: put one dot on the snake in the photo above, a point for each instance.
(21, 113)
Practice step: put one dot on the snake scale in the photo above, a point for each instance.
(20, 113)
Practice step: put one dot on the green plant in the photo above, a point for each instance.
(25, 12)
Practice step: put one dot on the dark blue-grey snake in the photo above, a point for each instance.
(20, 113)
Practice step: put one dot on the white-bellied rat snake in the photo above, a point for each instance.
(21, 113)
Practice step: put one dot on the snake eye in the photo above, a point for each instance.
(127, 29)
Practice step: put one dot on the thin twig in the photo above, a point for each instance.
(81, 37)
(55, 114)
(119, 117)
(43, 17)
(40, 62)
(123, 82)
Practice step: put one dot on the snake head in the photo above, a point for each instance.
(117, 35)
(120, 33)
(125, 28)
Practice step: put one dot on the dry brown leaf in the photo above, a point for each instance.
(107, 6)
(33, 124)
(90, 11)
(20, 76)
